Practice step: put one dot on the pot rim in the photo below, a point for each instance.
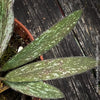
(20, 29)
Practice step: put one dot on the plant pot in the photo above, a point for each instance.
(23, 32)
(20, 29)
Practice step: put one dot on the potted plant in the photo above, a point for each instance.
(28, 77)
(23, 32)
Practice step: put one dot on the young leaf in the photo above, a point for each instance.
(51, 69)
(6, 23)
(37, 89)
(45, 42)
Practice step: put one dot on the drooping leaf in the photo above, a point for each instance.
(45, 42)
(51, 69)
(37, 89)
(6, 23)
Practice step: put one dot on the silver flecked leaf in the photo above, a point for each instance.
(37, 89)
(6, 23)
(45, 42)
(51, 69)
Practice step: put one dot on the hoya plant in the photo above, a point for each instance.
(29, 78)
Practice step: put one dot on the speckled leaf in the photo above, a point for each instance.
(37, 89)
(6, 23)
(45, 42)
(51, 69)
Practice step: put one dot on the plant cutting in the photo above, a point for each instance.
(28, 77)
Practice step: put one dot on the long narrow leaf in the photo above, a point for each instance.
(6, 23)
(37, 89)
(51, 69)
(45, 42)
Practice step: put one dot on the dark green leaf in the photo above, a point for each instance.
(45, 42)
(6, 23)
(51, 69)
(37, 89)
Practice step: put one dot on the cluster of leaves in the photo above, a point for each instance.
(28, 79)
